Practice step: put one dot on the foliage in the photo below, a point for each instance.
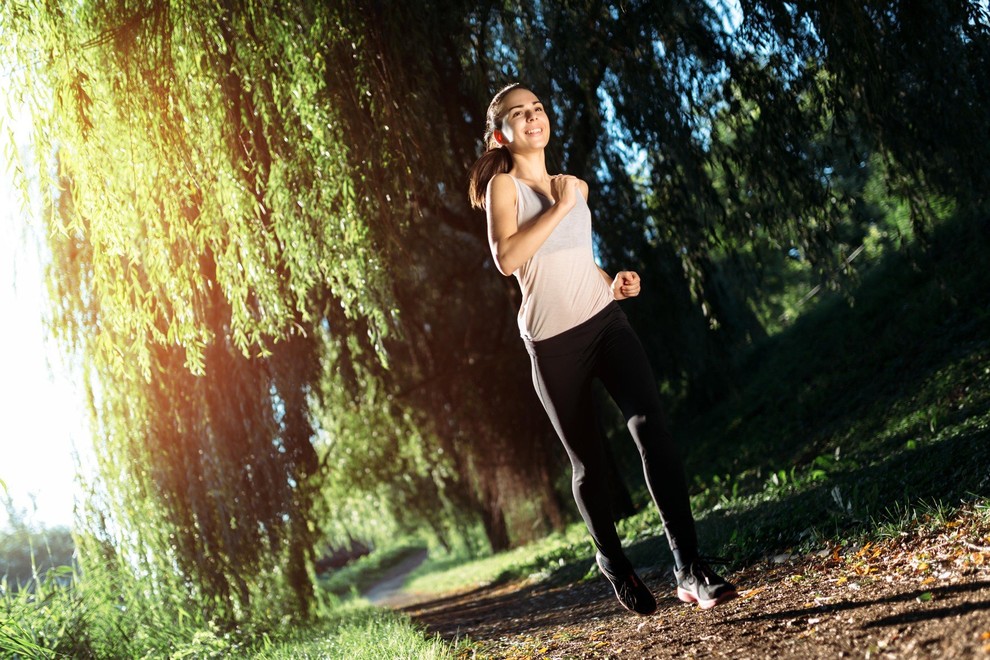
(205, 227)
(361, 632)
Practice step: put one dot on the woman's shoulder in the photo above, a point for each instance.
(502, 186)
(502, 182)
(582, 184)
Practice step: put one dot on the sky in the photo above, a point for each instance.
(42, 405)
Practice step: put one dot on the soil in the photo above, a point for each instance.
(920, 595)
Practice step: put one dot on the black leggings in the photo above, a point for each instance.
(605, 346)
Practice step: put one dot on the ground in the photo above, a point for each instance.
(917, 595)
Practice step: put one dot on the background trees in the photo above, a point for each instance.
(291, 325)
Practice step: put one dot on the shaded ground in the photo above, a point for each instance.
(917, 596)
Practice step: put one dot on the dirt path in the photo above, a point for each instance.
(387, 592)
(920, 596)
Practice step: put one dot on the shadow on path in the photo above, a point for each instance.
(928, 611)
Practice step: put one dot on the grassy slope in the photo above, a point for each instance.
(860, 411)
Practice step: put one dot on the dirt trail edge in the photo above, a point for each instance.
(387, 591)
(916, 596)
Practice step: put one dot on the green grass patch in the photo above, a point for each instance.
(361, 632)
(561, 555)
(55, 618)
(867, 405)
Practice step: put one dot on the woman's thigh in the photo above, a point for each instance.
(624, 369)
(563, 385)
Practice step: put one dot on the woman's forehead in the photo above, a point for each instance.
(520, 96)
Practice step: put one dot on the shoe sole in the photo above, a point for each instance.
(619, 600)
(629, 609)
(687, 597)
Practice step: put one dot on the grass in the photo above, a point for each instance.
(537, 561)
(361, 632)
(54, 618)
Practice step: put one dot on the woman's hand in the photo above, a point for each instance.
(625, 285)
(564, 189)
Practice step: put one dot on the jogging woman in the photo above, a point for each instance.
(539, 229)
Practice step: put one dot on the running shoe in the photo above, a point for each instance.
(698, 583)
(630, 591)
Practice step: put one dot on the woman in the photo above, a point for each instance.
(539, 229)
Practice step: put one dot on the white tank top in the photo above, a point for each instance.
(561, 285)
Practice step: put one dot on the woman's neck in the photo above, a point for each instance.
(530, 166)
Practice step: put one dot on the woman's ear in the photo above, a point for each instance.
(499, 137)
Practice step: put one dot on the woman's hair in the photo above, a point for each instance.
(496, 158)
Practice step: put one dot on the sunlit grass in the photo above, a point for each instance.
(535, 561)
(53, 617)
(361, 632)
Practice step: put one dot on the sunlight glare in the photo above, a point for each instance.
(41, 403)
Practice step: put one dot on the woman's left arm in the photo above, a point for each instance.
(624, 285)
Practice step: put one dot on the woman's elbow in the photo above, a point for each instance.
(504, 261)
(504, 267)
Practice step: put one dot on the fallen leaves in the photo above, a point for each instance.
(889, 597)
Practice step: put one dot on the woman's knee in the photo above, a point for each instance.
(650, 433)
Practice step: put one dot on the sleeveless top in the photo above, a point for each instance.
(561, 285)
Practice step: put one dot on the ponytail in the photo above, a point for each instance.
(496, 158)
(495, 161)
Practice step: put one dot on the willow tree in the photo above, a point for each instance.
(210, 225)
(243, 231)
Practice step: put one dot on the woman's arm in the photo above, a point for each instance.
(511, 245)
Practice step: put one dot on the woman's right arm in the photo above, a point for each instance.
(511, 245)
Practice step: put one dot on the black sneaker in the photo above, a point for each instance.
(698, 583)
(629, 589)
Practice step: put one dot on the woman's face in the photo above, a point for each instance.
(524, 122)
